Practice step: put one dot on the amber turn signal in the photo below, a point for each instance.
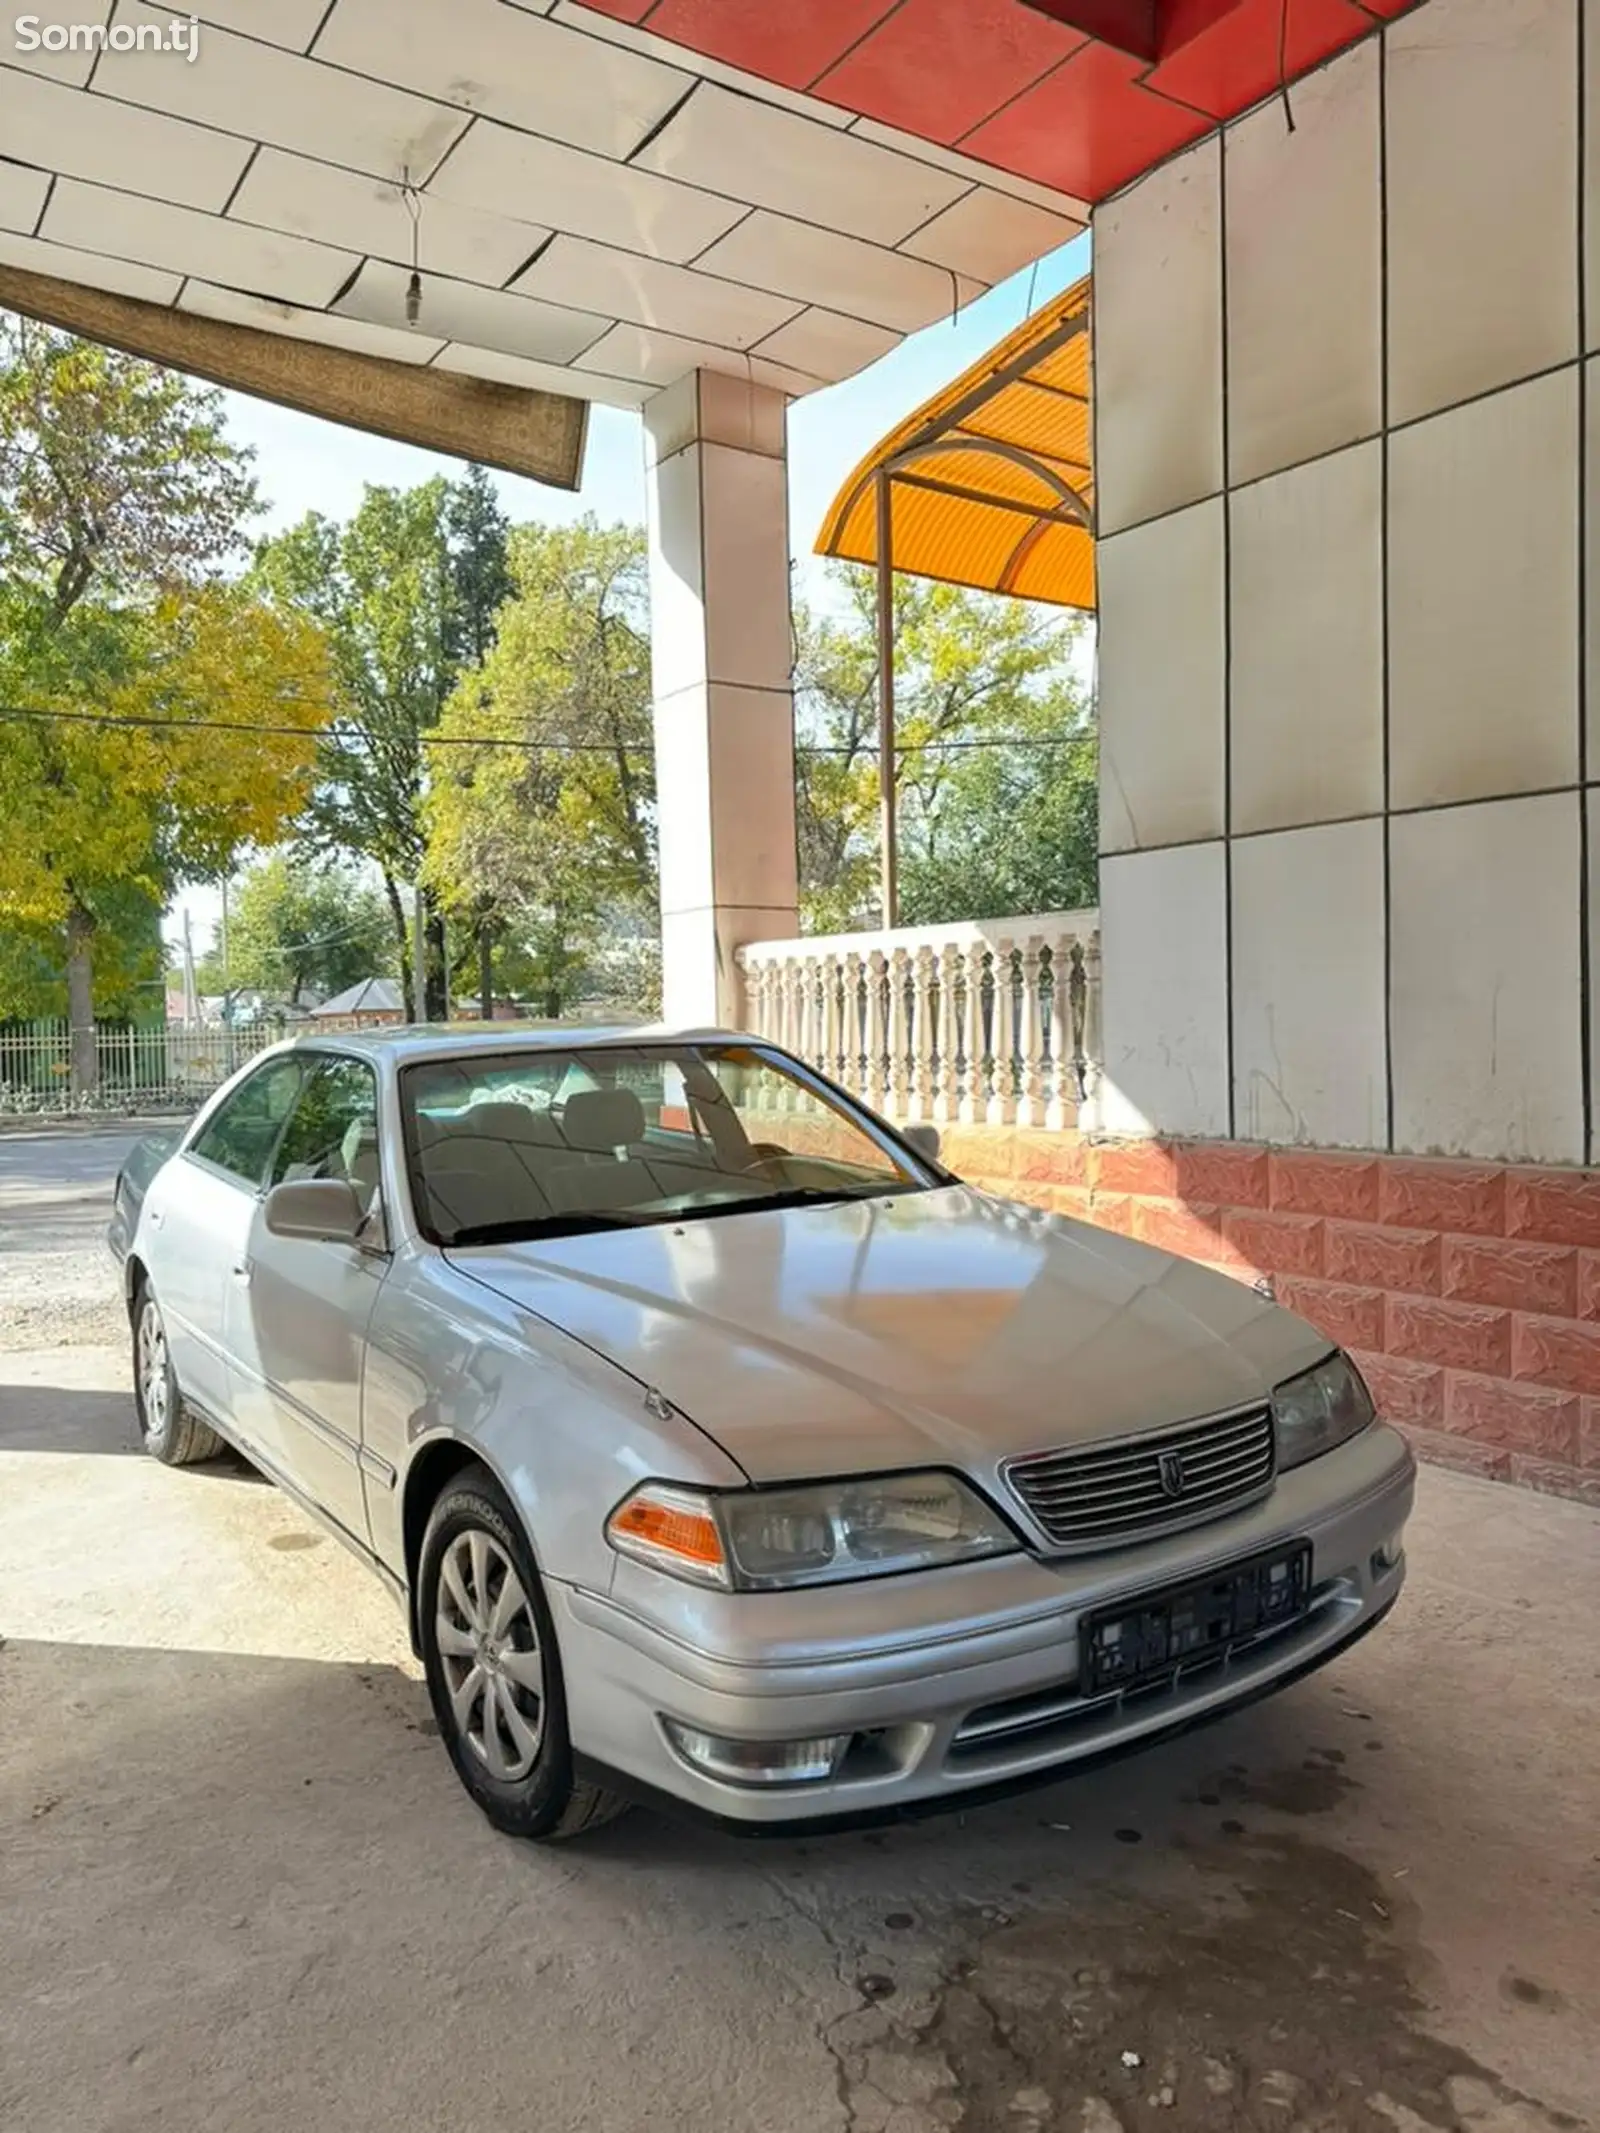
(672, 1528)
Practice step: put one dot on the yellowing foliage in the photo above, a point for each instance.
(171, 793)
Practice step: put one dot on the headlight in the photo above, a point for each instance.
(1320, 1409)
(766, 1540)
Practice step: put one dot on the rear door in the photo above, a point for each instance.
(196, 1227)
(301, 1325)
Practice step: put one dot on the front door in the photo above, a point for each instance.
(302, 1330)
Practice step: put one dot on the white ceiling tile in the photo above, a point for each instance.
(584, 194)
(152, 233)
(114, 275)
(394, 343)
(460, 311)
(611, 30)
(509, 64)
(988, 235)
(968, 167)
(733, 144)
(290, 23)
(22, 195)
(271, 95)
(61, 129)
(828, 345)
(56, 16)
(650, 292)
(542, 377)
(368, 215)
(661, 359)
(841, 273)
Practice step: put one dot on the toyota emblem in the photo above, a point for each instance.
(1170, 1467)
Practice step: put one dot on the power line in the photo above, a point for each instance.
(304, 733)
(524, 743)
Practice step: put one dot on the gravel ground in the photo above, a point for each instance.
(242, 1888)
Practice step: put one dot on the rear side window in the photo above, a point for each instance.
(241, 1136)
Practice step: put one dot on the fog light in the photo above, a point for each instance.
(758, 1762)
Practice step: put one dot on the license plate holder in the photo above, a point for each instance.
(1149, 1635)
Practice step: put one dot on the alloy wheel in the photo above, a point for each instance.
(489, 1649)
(154, 1378)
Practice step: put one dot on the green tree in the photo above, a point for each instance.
(115, 475)
(128, 983)
(121, 498)
(545, 840)
(985, 827)
(297, 926)
(164, 779)
(477, 534)
(406, 592)
(1015, 829)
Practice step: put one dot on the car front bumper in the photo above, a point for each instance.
(956, 1682)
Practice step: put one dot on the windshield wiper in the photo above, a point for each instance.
(530, 1230)
(798, 1196)
(533, 1228)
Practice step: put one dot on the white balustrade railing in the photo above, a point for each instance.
(989, 1022)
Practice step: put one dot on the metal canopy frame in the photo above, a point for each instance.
(932, 442)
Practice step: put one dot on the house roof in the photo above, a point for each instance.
(373, 996)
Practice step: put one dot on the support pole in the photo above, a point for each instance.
(886, 753)
(419, 945)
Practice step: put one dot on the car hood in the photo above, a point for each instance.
(941, 1328)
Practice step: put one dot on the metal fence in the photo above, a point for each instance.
(166, 1069)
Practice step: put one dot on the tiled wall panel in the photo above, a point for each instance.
(1395, 427)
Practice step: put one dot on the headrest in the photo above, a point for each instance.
(360, 1138)
(597, 1119)
(510, 1122)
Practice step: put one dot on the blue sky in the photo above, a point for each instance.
(303, 464)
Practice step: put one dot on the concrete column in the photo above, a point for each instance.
(721, 653)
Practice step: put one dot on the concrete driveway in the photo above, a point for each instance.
(241, 1887)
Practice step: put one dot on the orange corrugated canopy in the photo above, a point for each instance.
(993, 477)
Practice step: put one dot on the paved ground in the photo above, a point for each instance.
(55, 1189)
(241, 1887)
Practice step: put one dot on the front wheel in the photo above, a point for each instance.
(169, 1430)
(494, 1674)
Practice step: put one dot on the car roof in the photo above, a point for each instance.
(404, 1044)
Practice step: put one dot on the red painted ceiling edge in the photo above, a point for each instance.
(1142, 34)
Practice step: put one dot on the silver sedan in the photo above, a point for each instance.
(726, 1451)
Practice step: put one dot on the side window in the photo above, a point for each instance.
(334, 1130)
(240, 1137)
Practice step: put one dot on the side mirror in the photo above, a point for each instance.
(924, 1139)
(321, 1210)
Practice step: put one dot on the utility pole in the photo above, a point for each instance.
(227, 984)
(227, 975)
(419, 981)
(191, 992)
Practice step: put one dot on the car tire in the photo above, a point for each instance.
(494, 1672)
(169, 1429)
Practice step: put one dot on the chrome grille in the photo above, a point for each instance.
(1099, 1495)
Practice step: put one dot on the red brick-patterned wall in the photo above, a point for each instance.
(1468, 1292)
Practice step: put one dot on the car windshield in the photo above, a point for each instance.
(545, 1142)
